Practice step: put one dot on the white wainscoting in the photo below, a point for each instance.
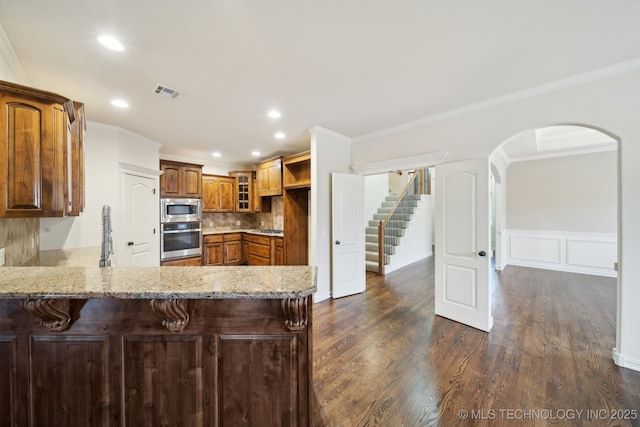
(587, 253)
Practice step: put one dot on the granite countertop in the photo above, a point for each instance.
(260, 282)
(209, 231)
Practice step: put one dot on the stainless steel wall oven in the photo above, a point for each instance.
(180, 228)
(180, 239)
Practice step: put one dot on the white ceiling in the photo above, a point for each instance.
(354, 67)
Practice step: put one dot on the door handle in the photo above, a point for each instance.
(337, 242)
(482, 253)
(129, 243)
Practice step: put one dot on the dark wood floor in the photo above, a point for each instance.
(382, 358)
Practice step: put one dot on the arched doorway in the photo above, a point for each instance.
(588, 217)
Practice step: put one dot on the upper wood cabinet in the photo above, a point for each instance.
(270, 177)
(218, 193)
(37, 153)
(180, 179)
(296, 171)
(75, 164)
(260, 204)
(244, 190)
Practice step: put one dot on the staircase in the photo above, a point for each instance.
(394, 231)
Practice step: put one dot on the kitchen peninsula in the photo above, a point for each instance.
(156, 346)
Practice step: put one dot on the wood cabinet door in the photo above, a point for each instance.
(192, 182)
(244, 192)
(210, 193)
(214, 254)
(227, 188)
(233, 252)
(31, 157)
(180, 180)
(278, 252)
(170, 180)
(270, 178)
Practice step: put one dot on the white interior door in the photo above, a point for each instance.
(140, 221)
(463, 243)
(347, 232)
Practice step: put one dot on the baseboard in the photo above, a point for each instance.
(393, 267)
(625, 362)
(584, 253)
(318, 297)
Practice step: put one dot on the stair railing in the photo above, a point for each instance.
(384, 238)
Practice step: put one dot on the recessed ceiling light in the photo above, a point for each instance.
(280, 135)
(255, 153)
(120, 103)
(274, 114)
(216, 154)
(111, 43)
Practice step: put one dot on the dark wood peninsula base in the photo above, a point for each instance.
(155, 362)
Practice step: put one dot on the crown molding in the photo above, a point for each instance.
(576, 80)
(6, 50)
(564, 153)
(403, 163)
(314, 131)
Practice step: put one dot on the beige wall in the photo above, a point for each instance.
(574, 193)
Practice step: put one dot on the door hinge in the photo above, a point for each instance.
(154, 191)
(154, 231)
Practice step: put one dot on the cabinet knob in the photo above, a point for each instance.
(482, 253)
(337, 242)
(129, 243)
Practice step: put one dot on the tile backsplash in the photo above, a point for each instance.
(20, 237)
(246, 221)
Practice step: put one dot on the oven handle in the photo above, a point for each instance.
(182, 231)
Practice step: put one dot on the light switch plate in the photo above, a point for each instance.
(1, 257)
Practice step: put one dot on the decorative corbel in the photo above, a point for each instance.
(295, 313)
(173, 313)
(54, 314)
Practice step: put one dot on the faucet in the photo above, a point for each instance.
(107, 243)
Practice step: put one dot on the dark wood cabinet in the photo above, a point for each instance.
(233, 248)
(75, 164)
(269, 174)
(296, 171)
(183, 262)
(213, 249)
(260, 204)
(297, 183)
(180, 180)
(37, 153)
(218, 193)
(141, 362)
(264, 250)
(243, 190)
(278, 253)
(223, 249)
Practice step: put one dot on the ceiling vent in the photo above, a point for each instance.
(166, 92)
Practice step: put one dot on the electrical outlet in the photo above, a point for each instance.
(1, 257)
(238, 222)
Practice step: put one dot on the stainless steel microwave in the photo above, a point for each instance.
(180, 210)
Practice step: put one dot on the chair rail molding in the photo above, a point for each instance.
(576, 252)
